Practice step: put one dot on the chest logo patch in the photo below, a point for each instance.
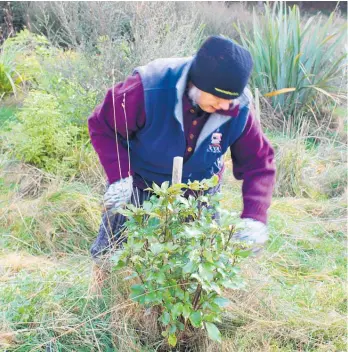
(215, 146)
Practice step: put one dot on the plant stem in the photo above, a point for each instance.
(165, 225)
(229, 236)
(196, 297)
(140, 277)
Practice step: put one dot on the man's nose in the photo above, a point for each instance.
(224, 105)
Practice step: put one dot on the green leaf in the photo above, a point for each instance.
(196, 319)
(206, 271)
(156, 248)
(213, 332)
(137, 289)
(165, 185)
(186, 311)
(207, 254)
(180, 293)
(165, 318)
(170, 247)
(160, 278)
(189, 267)
(234, 285)
(176, 310)
(147, 206)
(215, 287)
(222, 302)
(177, 187)
(172, 340)
(194, 186)
(212, 182)
(192, 232)
(181, 326)
(211, 317)
(172, 329)
(242, 254)
(121, 264)
(130, 277)
(116, 258)
(137, 247)
(150, 297)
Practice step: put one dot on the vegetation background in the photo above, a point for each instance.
(53, 73)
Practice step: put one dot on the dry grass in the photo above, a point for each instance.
(14, 262)
(44, 212)
(227, 13)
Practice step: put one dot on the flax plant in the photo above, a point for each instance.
(301, 59)
(10, 77)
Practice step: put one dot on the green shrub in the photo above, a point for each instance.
(20, 60)
(43, 137)
(66, 75)
(288, 54)
(30, 43)
(182, 267)
(75, 102)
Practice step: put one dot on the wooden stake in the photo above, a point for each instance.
(177, 170)
(257, 104)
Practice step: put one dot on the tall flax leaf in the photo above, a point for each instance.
(290, 54)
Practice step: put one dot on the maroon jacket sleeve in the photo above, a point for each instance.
(253, 162)
(109, 118)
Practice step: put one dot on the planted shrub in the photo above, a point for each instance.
(182, 258)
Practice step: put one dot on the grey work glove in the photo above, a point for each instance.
(118, 193)
(254, 232)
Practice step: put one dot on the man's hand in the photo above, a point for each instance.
(119, 193)
(254, 233)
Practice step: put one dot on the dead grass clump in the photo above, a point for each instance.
(28, 180)
(7, 338)
(15, 262)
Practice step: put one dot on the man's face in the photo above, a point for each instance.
(210, 103)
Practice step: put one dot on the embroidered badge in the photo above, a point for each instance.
(215, 146)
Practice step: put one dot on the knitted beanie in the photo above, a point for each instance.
(221, 68)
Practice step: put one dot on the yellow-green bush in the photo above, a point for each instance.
(43, 136)
(20, 60)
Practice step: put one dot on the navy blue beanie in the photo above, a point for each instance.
(221, 67)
